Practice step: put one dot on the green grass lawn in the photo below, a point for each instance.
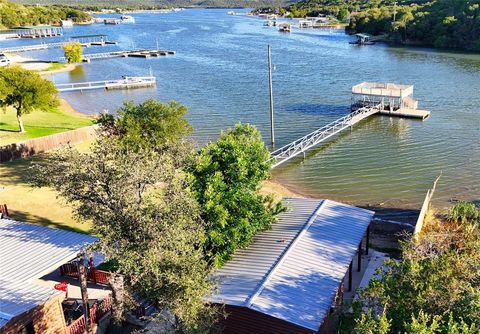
(35, 205)
(39, 124)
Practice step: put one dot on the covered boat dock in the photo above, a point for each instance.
(394, 99)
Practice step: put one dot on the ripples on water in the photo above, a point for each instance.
(219, 72)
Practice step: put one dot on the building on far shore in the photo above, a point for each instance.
(291, 278)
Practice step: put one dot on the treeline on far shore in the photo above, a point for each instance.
(94, 5)
(434, 23)
(14, 15)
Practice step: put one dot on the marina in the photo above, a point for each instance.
(124, 83)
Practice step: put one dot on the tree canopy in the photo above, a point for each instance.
(25, 91)
(226, 178)
(147, 220)
(148, 125)
(13, 14)
(73, 52)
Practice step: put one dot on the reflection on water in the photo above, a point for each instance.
(78, 74)
(220, 74)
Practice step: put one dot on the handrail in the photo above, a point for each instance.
(306, 142)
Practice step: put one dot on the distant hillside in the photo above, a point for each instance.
(13, 14)
(161, 3)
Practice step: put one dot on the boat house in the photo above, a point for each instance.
(392, 99)
(291, 278)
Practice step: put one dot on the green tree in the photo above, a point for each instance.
(25, 91)
(227, 176)
(147, 220)
(73, 52)
(148, 125)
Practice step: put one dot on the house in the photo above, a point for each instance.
(292, 276)
(28, 302)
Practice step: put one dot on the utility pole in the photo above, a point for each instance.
(270, 85)
(394, 12)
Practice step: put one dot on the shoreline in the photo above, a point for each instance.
(39, 66)
(393, 213)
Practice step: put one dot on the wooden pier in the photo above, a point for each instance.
(34, 31)
(142, 53)
(367, 99)
(124, 83)
(44, 46)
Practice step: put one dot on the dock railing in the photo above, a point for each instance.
(301, 145)
(125, 82)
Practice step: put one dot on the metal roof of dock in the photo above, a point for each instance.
(292, 271)
(382, 89)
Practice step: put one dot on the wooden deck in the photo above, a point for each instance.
(407, 113)
(44, 46)
(142, 53)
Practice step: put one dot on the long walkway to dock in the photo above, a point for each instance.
(301, 145)
(142, 53)
(44, 46)
(125, 83)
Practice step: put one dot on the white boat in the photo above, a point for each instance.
(285, 27)
(67, 23)
(127, 19)
(231, 13)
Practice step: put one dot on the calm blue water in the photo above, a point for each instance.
(220, 74)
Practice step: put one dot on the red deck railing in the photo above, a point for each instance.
(93, 275)
(78, 326)
(104, 307)
(96, 312)
(69, 269)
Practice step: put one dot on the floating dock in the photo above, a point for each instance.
(368, 99)
(45, 46)
(394, 99)
(124, 83)
(34, 32)
(142, 53)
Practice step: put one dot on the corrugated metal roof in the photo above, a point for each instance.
(19, 297)
(31, 251)
(28, 252)
(292, 271)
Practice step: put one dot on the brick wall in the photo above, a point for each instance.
(47, 319)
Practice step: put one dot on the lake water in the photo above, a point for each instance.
(220, 74)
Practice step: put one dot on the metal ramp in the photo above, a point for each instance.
(125, 83)
(301, 145)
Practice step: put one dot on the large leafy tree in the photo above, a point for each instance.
(148, 125)
(147, 220)
(227, 175)
(25, 91)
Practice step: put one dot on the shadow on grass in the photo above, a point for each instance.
(18, 171)
(6, 130)
(30, 218)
